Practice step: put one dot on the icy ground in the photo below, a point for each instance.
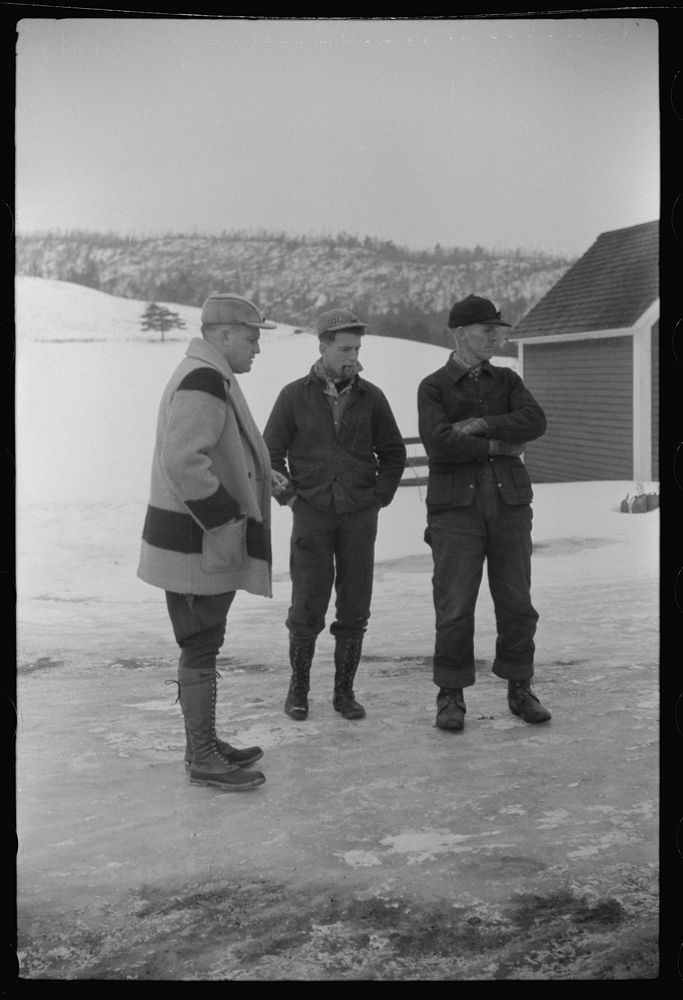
(379, 850)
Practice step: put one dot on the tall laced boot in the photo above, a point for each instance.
(244, 757)
(301, 652)
(346, 659)
(524, 703)
(197, 695)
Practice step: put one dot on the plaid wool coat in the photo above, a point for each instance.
(207, 528)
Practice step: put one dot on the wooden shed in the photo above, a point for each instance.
(589, 352)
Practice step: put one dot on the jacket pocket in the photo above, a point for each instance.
(450, 489)
(225, 548)
(521, 484)
(440, 489)
(307, 477)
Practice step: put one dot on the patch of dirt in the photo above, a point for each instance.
(139, 663)
(570, 546)
(42, 663)
(260, 930)
(227, 664)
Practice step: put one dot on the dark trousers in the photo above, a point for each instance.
(462, 539)
(199, 622)
(330, 549)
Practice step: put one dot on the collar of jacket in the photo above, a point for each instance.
(205, 351)
(456, 369)
(314, 377)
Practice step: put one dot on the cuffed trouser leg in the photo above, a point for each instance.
(509, 573)
(458, 543)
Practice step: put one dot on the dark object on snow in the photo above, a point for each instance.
(640, 503)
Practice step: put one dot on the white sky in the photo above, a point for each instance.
(538, 133)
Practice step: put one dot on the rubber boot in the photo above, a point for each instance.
(300, 658)
(346, 659)
(197, 695)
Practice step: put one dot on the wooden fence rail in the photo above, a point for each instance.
(414, 462)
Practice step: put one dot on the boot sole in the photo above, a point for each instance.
(244, 786)
(531, 722)
(350, 715)
(240, 763)
(297, 716)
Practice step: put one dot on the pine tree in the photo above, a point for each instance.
(160, 318)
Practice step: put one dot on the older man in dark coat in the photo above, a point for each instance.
(474, 420)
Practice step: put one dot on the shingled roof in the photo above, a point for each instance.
(608, 288)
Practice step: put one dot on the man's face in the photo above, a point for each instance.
(341, 356)
(240, 345)
(478, 342)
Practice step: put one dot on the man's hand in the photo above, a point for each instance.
(505, 447)
(278, 482)
(473, 425)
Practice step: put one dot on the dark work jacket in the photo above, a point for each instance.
(511, 413)
(357, 466)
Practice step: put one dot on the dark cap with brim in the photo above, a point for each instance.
(475, 309)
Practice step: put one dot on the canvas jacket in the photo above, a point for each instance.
(511, 413)
(359, 465)
(207, 528)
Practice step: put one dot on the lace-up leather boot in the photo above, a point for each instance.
(300, 658)
(347, 653)
(450, 705)
(243, 757)
(197, 695)
(524, 703)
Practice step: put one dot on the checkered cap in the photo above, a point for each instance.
(338, 319)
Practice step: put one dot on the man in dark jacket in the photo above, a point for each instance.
(335, 437)
(474, 419)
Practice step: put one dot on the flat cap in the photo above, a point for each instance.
(222, 307)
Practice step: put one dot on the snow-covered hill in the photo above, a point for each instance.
(293, 278)
(88, 385)
(89, 382)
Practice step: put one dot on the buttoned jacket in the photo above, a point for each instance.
(511, 414)
(356, 465)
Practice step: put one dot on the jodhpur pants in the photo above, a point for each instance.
(330, 549)
(462, 539)
(199, 622)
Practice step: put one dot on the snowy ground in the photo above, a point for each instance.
(367, 835)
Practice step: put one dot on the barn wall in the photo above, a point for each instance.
(586, 390)
(655, 402)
